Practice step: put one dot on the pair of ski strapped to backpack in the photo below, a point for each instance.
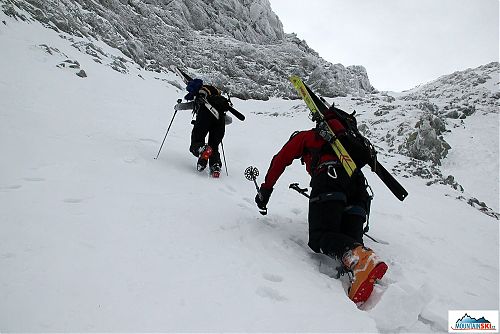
(318, 108)
(228, 107)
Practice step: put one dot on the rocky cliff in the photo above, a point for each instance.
(239, 45)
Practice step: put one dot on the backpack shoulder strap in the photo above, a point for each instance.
(317, 152)
(210, 90)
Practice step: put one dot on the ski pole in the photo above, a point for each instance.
(375, 240)
(224, 157)
(251, 174)
(303, 191)
(175, 112)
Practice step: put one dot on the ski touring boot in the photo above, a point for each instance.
(205, 153)
(366, 268)
(215, 170)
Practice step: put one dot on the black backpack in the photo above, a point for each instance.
(358, 146)
(215, 98)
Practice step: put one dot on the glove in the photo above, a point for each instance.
(263, 197)
(189, 96)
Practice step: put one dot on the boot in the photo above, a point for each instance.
(215, 170)
(204, 153)
(366, 268)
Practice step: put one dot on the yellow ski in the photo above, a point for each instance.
(337, 146)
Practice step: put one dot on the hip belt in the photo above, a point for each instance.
(333, 196)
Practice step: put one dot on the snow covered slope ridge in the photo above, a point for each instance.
(98, 236)
(240, 44)
(448, 128)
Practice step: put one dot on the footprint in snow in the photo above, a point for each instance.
(11, 187)
(7, 256)
(227, 190)
(130, 160)
(148, 140)
(230, 188)
(268, 222)
(298, 241)
(73, 200)
(34, 179)
(272, 277)
(244, 206)
(248, 200)
(273, 294)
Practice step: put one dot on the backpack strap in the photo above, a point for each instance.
(332, 196)
(316, 154)
(210, 90)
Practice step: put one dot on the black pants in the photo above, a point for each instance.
(206, 123)
(334, 226)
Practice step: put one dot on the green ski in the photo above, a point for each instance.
(318, 107)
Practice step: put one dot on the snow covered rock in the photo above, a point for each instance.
(239, 45)
(425, 143)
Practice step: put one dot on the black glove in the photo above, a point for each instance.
(189, 96)
(263, 197)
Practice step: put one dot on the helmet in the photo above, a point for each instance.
(193, 87)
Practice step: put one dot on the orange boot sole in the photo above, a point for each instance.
(365, 289)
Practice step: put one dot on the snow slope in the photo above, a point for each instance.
(96, 235)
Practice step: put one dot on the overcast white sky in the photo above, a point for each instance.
(401, 43)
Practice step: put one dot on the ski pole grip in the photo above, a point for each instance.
(302, 191)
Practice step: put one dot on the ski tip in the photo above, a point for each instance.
(294, 79)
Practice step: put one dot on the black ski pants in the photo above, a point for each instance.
(206, 123)
(337, 212)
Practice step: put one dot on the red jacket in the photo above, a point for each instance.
(301, 145)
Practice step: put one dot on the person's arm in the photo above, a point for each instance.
(184, 106)
(292, 150)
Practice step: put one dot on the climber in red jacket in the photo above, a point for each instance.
(338, 202)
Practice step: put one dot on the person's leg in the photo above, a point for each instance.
(215, 136)
(353, 219)
(325, 229)
(356, 211)
(199, 132)
(326, 208)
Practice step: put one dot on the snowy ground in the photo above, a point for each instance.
(96, 235)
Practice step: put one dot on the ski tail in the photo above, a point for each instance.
(236, 113)
(183, 75)
(394, 186)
